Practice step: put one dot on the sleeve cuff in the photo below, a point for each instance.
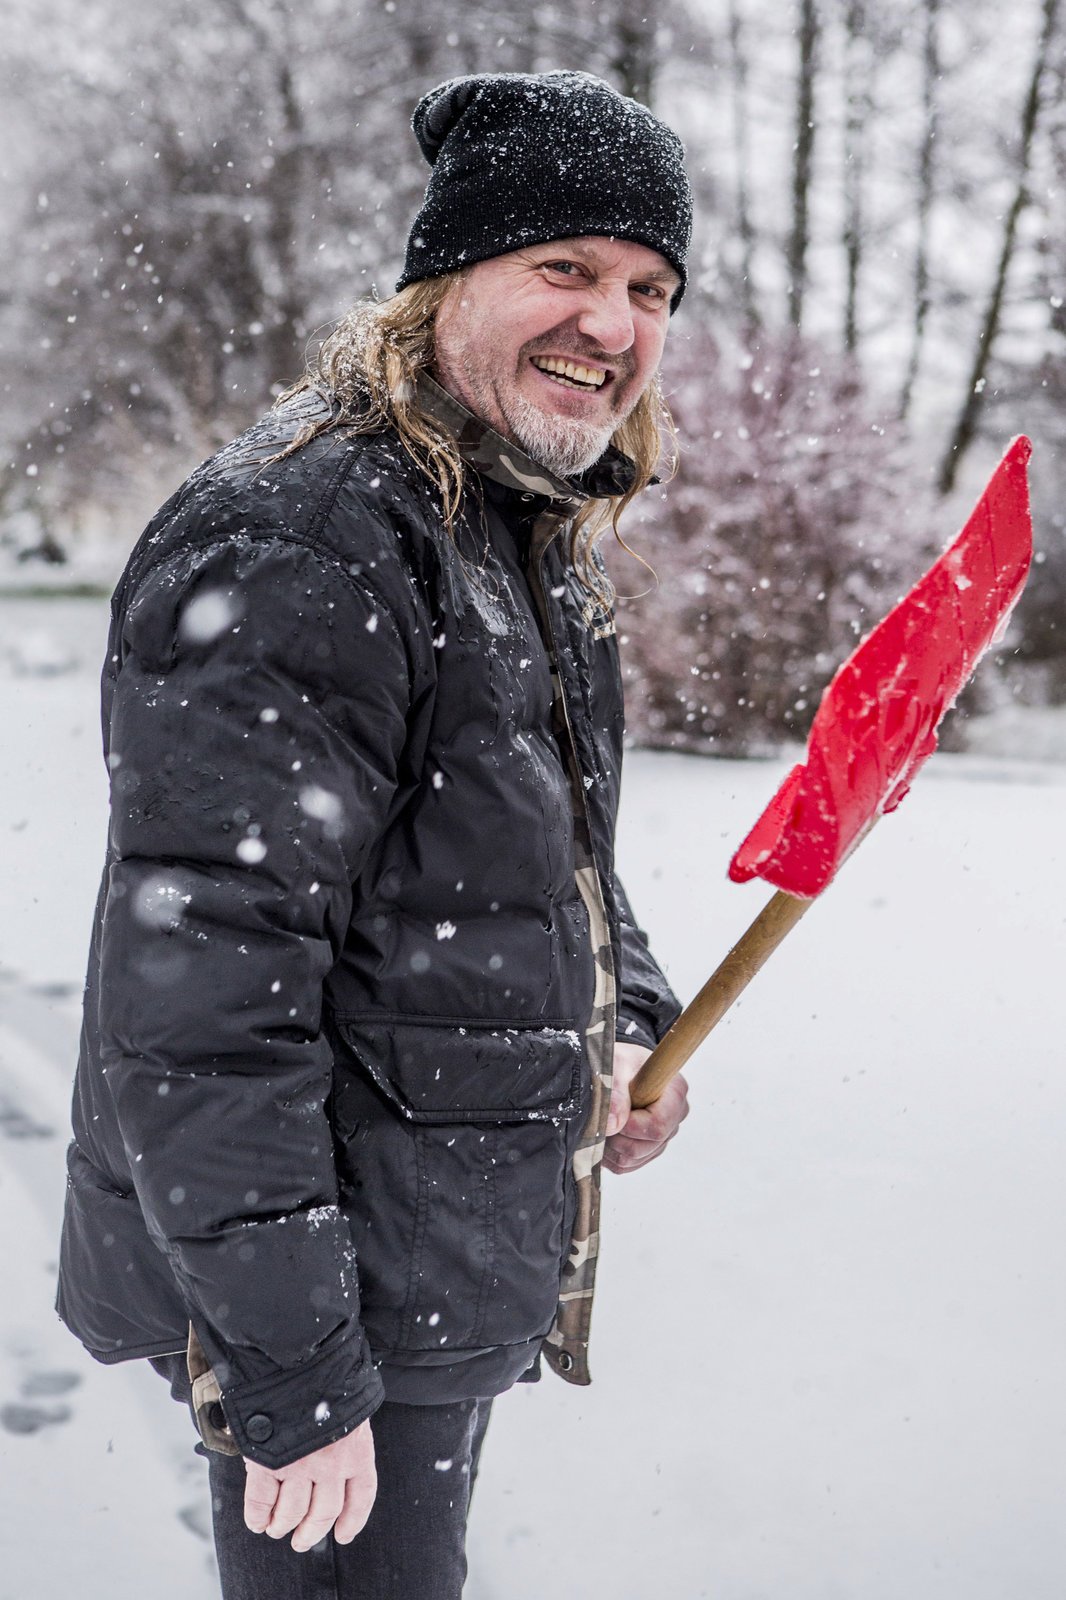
(276, 1420)
(633, 1029)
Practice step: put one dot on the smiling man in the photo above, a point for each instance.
(365, 994)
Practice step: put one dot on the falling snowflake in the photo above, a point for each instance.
(209, 615)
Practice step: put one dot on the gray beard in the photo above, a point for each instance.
(562, 445)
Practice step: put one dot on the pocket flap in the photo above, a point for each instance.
(438, 1072)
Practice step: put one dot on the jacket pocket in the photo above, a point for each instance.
(439, 1072)
(453, 1151)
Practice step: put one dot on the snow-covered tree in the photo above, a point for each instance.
(793, 524)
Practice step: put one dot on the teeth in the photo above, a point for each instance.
(572, 370)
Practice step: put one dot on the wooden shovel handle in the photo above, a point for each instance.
(776, 919)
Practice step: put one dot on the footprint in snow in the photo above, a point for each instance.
(35, 1385)
(18, 1124)
(197, 1518)
(56, 991)
(16, 1418)
(20, 1416)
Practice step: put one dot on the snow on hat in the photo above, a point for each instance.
(521, 158)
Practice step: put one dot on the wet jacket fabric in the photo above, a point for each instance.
(359, 952)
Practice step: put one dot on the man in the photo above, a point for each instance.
(360, 956)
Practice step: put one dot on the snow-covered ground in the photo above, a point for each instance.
(827, 1348)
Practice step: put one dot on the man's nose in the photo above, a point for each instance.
(607, 318)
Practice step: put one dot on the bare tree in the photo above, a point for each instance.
(803, 160)
(186, 224)
(632, 53)
(926, 171)
(742, 161)
(858, 110)
(966, 424)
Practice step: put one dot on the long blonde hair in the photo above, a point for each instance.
(367, 369)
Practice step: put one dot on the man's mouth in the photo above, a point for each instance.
(570, 374)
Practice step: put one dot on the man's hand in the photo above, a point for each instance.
(636, 1137)
(331, 1488)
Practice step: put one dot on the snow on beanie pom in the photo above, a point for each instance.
(521, 159)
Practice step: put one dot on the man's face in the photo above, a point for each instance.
(553, 345)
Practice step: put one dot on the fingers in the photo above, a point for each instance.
(333, 1487)
(290, 1508)
(306, 1509)
(646, 1132)
(627, 1155)
(358, 1503)
(660, 1120)
(620, 1107)
(260, 1493)
(628, 1060)
(324, 1507)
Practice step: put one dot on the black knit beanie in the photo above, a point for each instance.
(520, 159)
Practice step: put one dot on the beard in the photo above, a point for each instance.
(564, 445)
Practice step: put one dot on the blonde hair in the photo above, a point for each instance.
(367, 370)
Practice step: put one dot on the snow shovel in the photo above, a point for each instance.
(874, 728)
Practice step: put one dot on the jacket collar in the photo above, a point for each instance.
(495, 457)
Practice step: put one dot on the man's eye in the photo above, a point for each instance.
(652, 291)
(568, 268)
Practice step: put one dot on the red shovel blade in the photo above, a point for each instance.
(878, 718)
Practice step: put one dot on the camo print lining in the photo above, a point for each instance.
(207, 1400)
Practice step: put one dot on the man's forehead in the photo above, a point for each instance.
(602, 250)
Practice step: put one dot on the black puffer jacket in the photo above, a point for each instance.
(333, 1065)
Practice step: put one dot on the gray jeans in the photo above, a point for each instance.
(412, 1548)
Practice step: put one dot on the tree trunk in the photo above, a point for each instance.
(858, 72)
(926, 167)
(803, 161)
(290, 191)
(742, 158)
(966, 425)
(633, 49)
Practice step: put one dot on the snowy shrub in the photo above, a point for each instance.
(792, 526)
